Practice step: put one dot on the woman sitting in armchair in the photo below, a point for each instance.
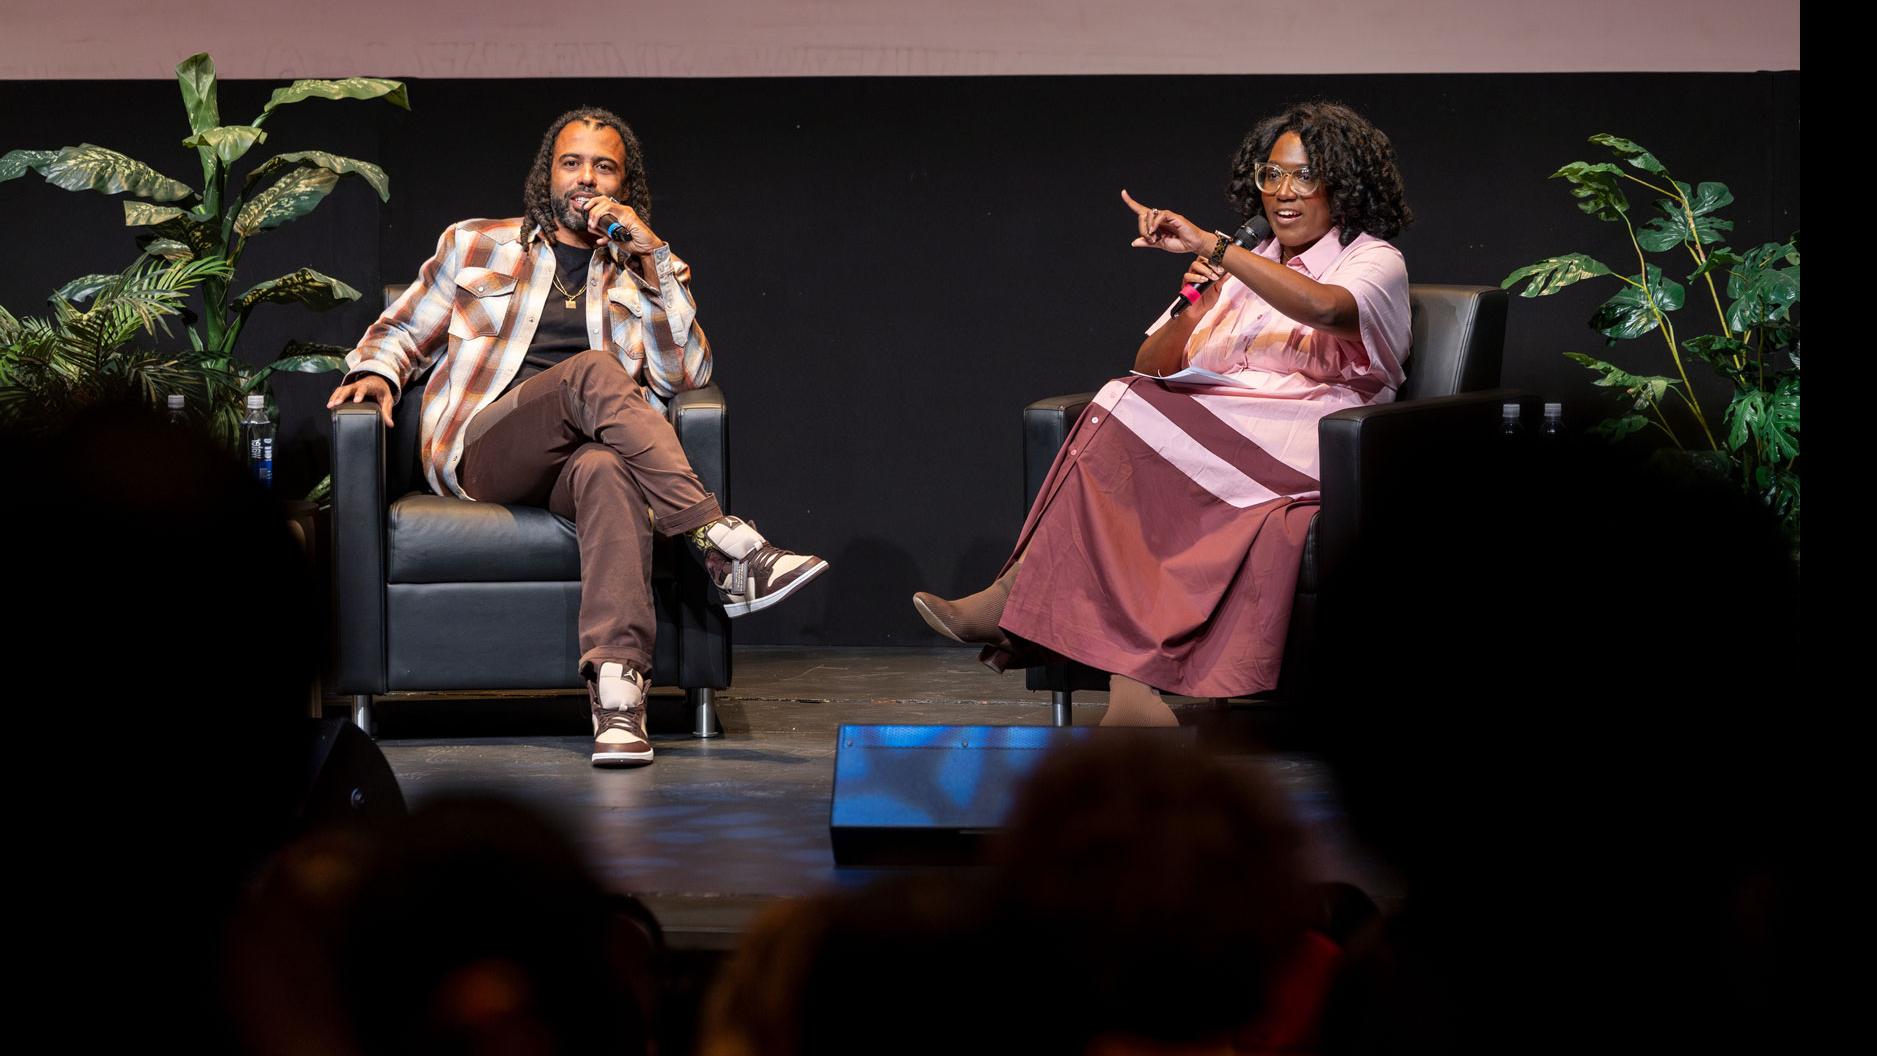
(1165, 544)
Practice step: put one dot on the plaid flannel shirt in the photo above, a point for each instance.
(478, 302)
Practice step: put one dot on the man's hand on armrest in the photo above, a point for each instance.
(369, 387)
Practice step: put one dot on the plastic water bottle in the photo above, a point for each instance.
(177, 415)
(1509, 424)
(1554, 421)
(257, 436)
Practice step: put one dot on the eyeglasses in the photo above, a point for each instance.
(1304, 181)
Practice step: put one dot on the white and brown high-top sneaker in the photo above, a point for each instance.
(617, 694)
(752, 574)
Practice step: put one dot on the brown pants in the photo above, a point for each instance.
(581, 440)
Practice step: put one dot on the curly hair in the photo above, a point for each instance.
(538, 192)
(1355, 159)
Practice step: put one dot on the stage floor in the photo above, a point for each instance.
(716, 830)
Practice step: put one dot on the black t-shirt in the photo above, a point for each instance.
(562, 331)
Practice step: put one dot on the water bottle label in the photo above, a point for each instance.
(261, 459)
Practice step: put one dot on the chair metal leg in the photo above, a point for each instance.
(361, 713)
(1061, 703)
(703, 713)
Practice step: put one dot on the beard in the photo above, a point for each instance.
(565, 213)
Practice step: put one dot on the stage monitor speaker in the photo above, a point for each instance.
(348, 778)
(929, 795)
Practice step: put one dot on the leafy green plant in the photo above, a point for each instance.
(1755, 341)
(205, 228)
(54, 365)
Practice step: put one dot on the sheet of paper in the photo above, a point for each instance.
(1196, 376)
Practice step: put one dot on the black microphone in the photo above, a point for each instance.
(1256, 230)
(615, 246)
(613, 227)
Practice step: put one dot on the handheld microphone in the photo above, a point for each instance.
(614, 227)
(1256, 230)
(615, 244)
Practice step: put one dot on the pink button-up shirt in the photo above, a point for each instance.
(1295, 374)
(1244, 336)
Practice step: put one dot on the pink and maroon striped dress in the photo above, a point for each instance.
(1166, 541)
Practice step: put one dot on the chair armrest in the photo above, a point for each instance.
(701, 419)
(702, 422)
(1046, 426)
(358, 549)
(1386, 460)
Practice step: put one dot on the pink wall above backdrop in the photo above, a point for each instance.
(127, 39)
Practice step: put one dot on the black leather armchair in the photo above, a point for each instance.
(433, 593)
(1448, 400)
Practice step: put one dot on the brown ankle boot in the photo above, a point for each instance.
(972, 619)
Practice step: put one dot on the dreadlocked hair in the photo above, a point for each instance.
(538, 193)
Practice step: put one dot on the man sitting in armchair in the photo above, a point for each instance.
(561, 333)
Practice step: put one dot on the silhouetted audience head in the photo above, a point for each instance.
(899, 966)
(1146, 891)
(1571, 712)
(163, 639)
(1145, 897)
(472, 926)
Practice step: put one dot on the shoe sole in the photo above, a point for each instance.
(744, 608)
(932, 620)
(622, 758)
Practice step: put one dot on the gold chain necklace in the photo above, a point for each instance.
(572, 296)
